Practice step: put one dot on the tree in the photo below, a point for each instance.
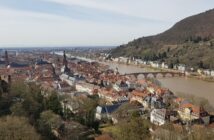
(177, 61)
(5, 103)
(18, 110)
(32, 107)
(48, 123)
(29, 99)
(201, 134)
(137, 129)
(1, 92)
(4, 86)
(18, 89)
(201, 64)
(87, 112)
(17, 128)
(53, 104)
(171, 65)
(168, 49)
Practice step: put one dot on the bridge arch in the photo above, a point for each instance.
(144, 75)
(150, 75)
(141, 76)
(176, 74)
(160, 75)
(169, 75)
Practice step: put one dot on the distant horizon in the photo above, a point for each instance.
(47, 23)
(54, 47)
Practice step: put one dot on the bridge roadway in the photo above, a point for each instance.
(157, 74)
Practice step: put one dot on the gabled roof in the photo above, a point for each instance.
(2, 62)
(142, 94)
(41, 62)
(110, 108)
(194, 108)
(18, 65)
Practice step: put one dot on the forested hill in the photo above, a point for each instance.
(191, 37)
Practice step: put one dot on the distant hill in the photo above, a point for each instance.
(189, 41)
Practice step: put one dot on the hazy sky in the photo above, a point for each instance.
(26, 23)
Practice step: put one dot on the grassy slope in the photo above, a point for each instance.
(175, 39)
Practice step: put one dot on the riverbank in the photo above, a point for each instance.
(206, 79)
(189, 75)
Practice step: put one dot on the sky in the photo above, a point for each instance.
(55, 23)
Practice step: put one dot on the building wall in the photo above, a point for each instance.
(157, 118)
(186, 115)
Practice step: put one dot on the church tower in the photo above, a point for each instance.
(65, 63)
(6, 59)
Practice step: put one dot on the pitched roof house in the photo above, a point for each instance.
(189, 112)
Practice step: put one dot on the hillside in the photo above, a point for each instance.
(189, 41)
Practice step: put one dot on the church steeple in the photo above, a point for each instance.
(65, 63)
(6, 59)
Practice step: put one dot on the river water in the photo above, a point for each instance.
(190, 86)
(124, 69)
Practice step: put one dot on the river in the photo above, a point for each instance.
(190, 86)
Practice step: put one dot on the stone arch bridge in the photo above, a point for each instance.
(156, 74)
